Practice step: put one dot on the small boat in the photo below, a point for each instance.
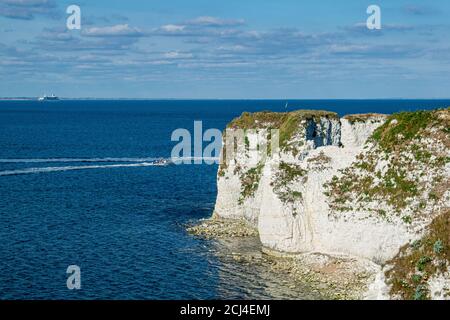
(162, 162)
(48, 98)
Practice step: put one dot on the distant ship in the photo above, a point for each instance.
(48, 98)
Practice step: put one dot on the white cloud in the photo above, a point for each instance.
(200, 26)
(172, 28)
(215, 22)
(177, 55)
(120, 30)
(234, 48)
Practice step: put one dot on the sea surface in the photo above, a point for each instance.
(78, 186)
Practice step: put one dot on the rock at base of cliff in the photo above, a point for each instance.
(336, 276)
(223, 228)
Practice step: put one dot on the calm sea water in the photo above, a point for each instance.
(124, 225)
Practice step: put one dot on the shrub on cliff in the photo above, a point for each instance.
(402, 169)
(416, 263)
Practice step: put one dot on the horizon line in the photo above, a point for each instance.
(226, 99)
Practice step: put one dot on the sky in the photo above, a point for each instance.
(234, 49)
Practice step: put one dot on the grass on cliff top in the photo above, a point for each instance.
(269, 119)
(353, 118)
(287, 122)
(416, 263)
(406, 126)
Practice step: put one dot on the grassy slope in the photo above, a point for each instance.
(402, 143)
(417, 262)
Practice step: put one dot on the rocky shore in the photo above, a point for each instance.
(336, 277)
(222, 228)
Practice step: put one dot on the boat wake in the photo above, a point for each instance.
(66, 160)
(90, 160)
(101, 163)
(86, 167)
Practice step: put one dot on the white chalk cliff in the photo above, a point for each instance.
(362, 185)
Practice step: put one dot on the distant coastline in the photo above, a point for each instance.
(227, 99)
(16, 99)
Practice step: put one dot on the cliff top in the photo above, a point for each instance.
(270, 119)
(287, 122)
(353, 118)
(406, 126)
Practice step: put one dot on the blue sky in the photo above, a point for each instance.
(238, 49)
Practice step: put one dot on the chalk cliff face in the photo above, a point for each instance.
(362, 185)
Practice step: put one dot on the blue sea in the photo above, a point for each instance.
(76, 188)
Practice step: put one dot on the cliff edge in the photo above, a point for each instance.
(370, 186)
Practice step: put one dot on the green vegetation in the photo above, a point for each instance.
(422, 263)
(354, 118)
(286, 175)
(418, 262)
(247, 143)
(320, 162)
(416, 278)
(257, 120)
(421, 292)
(396, 187)
(288, 123)
(250, 182)
(402, 127)
(408, 160)
(407, 219)
(438, 247)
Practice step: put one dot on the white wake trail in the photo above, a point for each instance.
(129, 162)
(109, 159)
(68, 168)
(62, 160)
